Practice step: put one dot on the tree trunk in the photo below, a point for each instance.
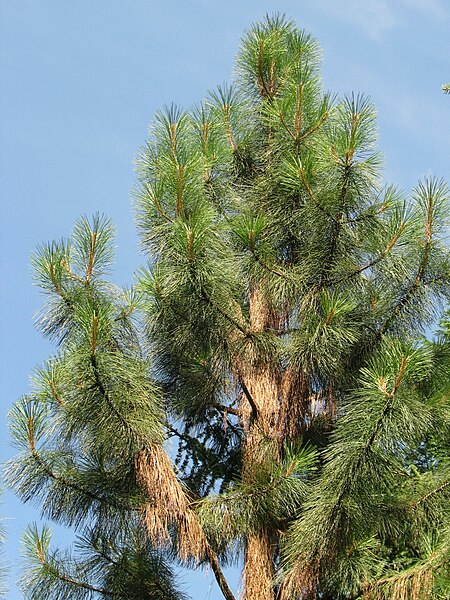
(260, 408)
(273, 409)
(258, 568)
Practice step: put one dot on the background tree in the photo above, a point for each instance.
(276, 333)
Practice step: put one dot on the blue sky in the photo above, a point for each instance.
(82, 80)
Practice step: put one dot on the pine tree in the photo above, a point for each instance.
(277, 335)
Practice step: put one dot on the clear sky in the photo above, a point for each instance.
(81, 81)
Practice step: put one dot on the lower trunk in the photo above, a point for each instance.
(258, 568)
(258, 562)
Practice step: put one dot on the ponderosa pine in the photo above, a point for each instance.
(277, 334)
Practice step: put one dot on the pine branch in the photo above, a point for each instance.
(407, 295)
(270, 269)
(218, 574)
(294, 137)
(377, 426)
(312, 196)
(121, 567)
(247, 394)
(190, 441)
(224, 314)
(338, 221)
(80, 584)
(314, 127)
(436, 490)
(227, 409)
(51, 568)
(55, 393)
(71, 274)
(62, 480)
(106, 395)
(374, 261)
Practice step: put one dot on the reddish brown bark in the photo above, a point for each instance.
(261, 381)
